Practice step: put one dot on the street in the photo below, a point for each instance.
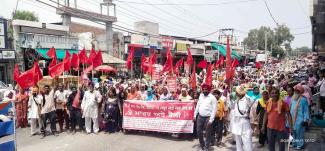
(132, 141)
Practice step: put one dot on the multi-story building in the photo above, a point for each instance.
(317, 17)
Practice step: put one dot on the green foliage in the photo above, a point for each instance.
(278, 39)
(24, 15)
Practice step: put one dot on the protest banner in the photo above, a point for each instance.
(161, 116)
(172, 84)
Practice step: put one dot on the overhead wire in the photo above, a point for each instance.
(186, 4)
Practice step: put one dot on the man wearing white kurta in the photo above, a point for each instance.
(33, 111)
(89, 108)
(241, 126)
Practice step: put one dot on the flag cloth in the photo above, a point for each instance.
(178, 66)
(37, 73)
(258, 65)
(51, 53)
(189, 59)
(56, 70)
(16, 72)
(67, 61)
(83, 56)
(144, 63)
(222, 60)
(235, 63)
(92, 56)
(152, 61)
(228, 61)
(75, 61)
(53, 62)
(98, 60)
(208, 79)
(130, 58)
(202, 64)
(193, 78)
(30, 77)
(87, 70)
(169, 62)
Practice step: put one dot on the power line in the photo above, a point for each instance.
(268, 9)
(187, 4)
(303, 33)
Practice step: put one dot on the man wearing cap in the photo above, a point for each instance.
(205, 112)
(89, 106)
(300, 115)
(241, 127)
(34, 110)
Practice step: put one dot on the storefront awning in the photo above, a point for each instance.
(60, 53)
(223, 51)
(108, 59)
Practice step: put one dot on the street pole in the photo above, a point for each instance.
(265, 46)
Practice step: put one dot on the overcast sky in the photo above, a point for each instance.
(191, 20)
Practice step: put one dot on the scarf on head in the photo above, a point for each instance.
(279, 105)
(262, 102)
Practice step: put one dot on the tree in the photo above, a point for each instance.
(278, 39)
(24, 15)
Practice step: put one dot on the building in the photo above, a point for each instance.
(34, 39)
(7, 53)
(317, 18)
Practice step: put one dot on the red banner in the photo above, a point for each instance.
(161, 116)
(172, 84)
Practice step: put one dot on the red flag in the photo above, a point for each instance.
(130, 58)
(75, 61)
(53, 62)
(87, 70)
(193, 78)
(189, 59)
(228, 61)
(67, 61)
(235, 63)
(37, 73)
(144, 63)
(92, 56)
(222, 60)
(152, 61)
(208, 79)
(258, 65)
(30, 77)
(16, 72)
(83, 56)
(202, 64)
(169, 61)
(98, 60)
(56, 70)
(51, 53)
(178, 66)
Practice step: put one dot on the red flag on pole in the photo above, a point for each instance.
(258, 65)
(144, 63)
(222, 60)
(67, 61)
(152, 61)
(130, 58)
(83, 56)
(228, 61)
(208, 79)
(178, 66)
(16, 72)
(92, 56)
(51, 53)
(56, 70)
(30, 77)
(193, 78)
(169, 61)
(98, 60)
(37, 73)
(235, 63)
(202, 64)
(87, 70)
(189, 59)
(75, 61)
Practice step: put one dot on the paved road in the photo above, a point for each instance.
(116, 142)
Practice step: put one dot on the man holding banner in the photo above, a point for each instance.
(205, 112)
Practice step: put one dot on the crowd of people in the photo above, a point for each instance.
(266, 103)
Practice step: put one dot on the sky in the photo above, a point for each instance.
(193, 18)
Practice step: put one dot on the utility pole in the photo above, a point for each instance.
(265, 47)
